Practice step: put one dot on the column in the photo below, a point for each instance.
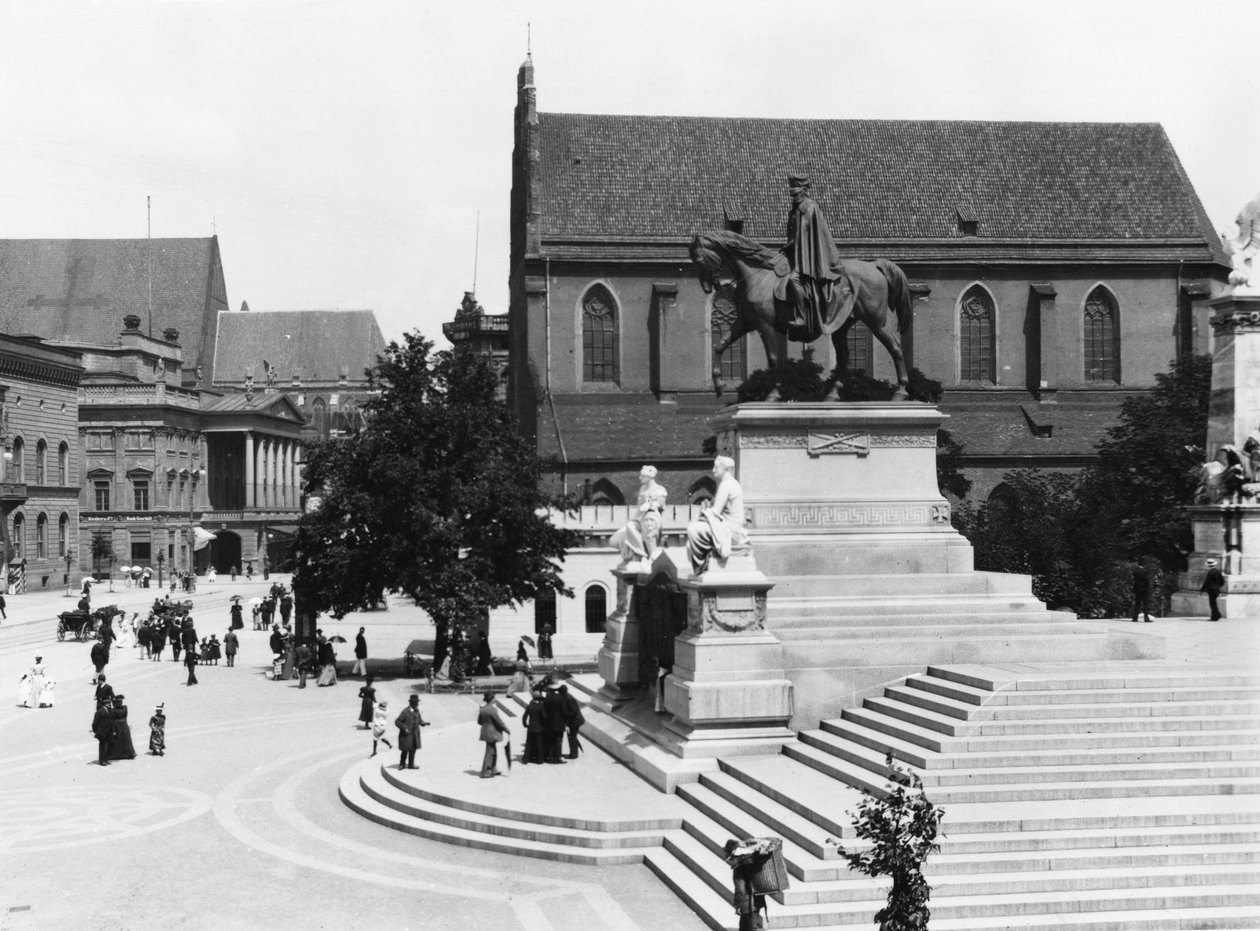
(249, 469)
(273, 473)
(286, 490)
(265, 476)
(1046, 380)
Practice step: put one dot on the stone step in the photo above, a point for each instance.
(1222, 917)
(976, 696)
(1235, 842)
(356, 797)
(874, 646)
(1074, 678)
(714, 908)
(1034, 754)
(784, 822)
(838, 606)
(862, 778)
(912, 627)
(917, 584)
(1066, 906)
(951, 861)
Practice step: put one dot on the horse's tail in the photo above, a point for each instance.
(898, 293)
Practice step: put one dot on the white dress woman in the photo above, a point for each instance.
(37, 681)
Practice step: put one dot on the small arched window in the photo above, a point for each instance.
(319, 418)
(545, 611)
(19, 460)
(63, 464)
(63, 535)
(605, 492)
(41, 463)
(41, 536)
(19, 536)
(733, 363)
(599, 336)
(1102, 337)
(596, 609)
(976, 322)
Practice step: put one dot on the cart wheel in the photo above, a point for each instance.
(61, 631)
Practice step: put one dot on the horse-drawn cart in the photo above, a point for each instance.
(82, 624)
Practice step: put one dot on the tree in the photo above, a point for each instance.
(103, 550)
(435, 497)
(901, 825)
(1134, 497)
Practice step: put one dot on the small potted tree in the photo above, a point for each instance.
(902, 826)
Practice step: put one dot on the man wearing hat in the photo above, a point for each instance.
(492, 731)
(409, 723)
(1213, 582)
(811, 253)
(103, 730)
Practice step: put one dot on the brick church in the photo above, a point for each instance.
(1055, 269)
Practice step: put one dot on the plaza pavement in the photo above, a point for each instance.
(240, 826)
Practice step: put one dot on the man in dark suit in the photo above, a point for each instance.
(573, 721)
(1213, 582)
(554, 724)
(409, 724)
(1141, 590)
(492, 731)
(104, 691)
(103, 730)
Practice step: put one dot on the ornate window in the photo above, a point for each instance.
(319, 417)
(63, 464)
(1102, 337)
(733, 365)
(140, 494)
(41, 463)
(41, 536)
(101, 490)
(19, 460)
(63, 534)
(19, 536)
(596, 609)
(858, 340)
(599, 336)
(977, 360)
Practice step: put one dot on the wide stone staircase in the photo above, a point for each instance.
(1085, 796)
(1073, 801)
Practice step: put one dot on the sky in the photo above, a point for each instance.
(357, 154)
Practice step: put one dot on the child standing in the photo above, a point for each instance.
(157, 732)
(379, 723)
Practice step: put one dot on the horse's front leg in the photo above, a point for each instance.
(773, 346)
(839, 342)
(891, 339)
(739, 329)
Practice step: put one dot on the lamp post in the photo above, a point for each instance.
(69, 560)
(194, 477)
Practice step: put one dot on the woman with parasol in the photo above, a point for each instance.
(238, 620)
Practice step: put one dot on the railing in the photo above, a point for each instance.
(138, 394)
(13, 492)
(607, 518)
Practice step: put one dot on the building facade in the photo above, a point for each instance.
(1055, 268)
(40, 464)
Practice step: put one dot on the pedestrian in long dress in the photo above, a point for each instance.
(32, 685)
(157, 732)
(123, 748)
(157, 641)
(367, 708)
(103, 731)
(409, 723)
(360, 655)
(237, 622)
(48, 694)
(535, 724)
(327, 664)
(492, 731)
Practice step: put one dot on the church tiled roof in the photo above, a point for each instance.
(610, 177)
(317, 344)
(80, 290)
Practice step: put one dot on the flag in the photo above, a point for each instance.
(201, 538)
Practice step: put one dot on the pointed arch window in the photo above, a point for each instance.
(63, 534)
(599, 336)
(733, 364)
(19, 460)
(19, 536)
(63, 464)
(1102, 337)
(41, 536)
(319, 417)
(977, 360)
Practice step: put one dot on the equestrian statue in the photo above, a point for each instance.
(804, 292)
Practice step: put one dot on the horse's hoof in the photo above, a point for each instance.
(773, 397)
(901, 394)
(832, 396)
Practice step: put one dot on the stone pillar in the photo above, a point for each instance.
(666, 364)
(286, 492)
(249, 469)
(618, 658)
(1045, 379)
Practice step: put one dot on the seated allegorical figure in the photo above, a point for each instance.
(639, 540)
(721, 525)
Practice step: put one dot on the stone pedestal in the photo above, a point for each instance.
(618, 658)
(1229, 532)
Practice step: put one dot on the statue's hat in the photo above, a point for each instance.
(798, 180)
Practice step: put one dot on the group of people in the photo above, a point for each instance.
(278, 599)
(552, 712)
(36, 689)
(113, 732)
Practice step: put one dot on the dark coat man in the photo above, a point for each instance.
(104, 691)
(100, 657)
(190, 660)
(1213, 582)
(573, 721)
(554, 725)
(103, 730)
(1141, 591)
(409, 723)
(172, 634)
(492, 731)
(230, 644)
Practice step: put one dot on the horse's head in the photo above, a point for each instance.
(709, 263)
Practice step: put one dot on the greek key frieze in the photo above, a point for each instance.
(825, 515)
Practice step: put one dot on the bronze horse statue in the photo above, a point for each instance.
(876, 293)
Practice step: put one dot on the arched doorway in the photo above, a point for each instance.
(225, 551)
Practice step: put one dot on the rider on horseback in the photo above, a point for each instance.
(811, 253)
